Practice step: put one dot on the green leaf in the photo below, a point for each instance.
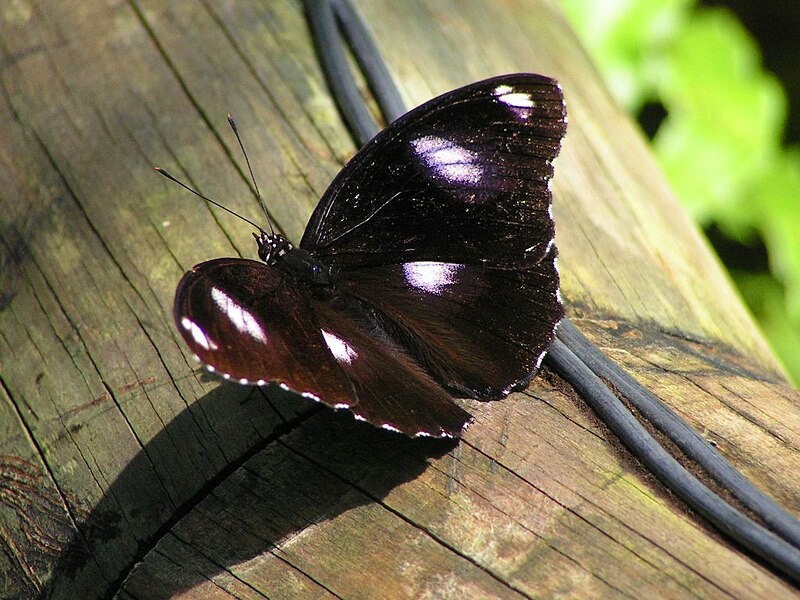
(720, 144)
(765, 296)
(625, 38)
(778, 197)
(725, 117)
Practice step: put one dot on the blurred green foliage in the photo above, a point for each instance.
(720, 143)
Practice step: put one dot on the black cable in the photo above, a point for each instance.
(366, 53)
(328, 39)
(572, 356)
(682, 435)
(652, 455)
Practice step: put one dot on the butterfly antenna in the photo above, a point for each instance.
(206, 198)
(232, 123)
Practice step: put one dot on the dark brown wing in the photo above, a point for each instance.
(481, 332)
(443, 223)
(256, 324)
(462, 178)
(250, 323)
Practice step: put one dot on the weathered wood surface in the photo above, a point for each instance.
(118, 458)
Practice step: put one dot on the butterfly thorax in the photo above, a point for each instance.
(277, 251)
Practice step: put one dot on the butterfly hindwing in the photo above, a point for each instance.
(481, 332)
(393, 391)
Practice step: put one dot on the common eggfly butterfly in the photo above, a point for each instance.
(427, 270)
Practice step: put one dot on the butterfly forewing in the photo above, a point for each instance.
(251, 323)
(462, 178)
(442, 222)
(257, 324)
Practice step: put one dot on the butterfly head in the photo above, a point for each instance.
(271, 246)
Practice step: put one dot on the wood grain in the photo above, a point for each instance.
(119, 460)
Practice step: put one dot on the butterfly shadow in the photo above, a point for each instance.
(294, 477)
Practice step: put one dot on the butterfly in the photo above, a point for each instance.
(426, 272)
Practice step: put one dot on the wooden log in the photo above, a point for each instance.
(120, 461)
